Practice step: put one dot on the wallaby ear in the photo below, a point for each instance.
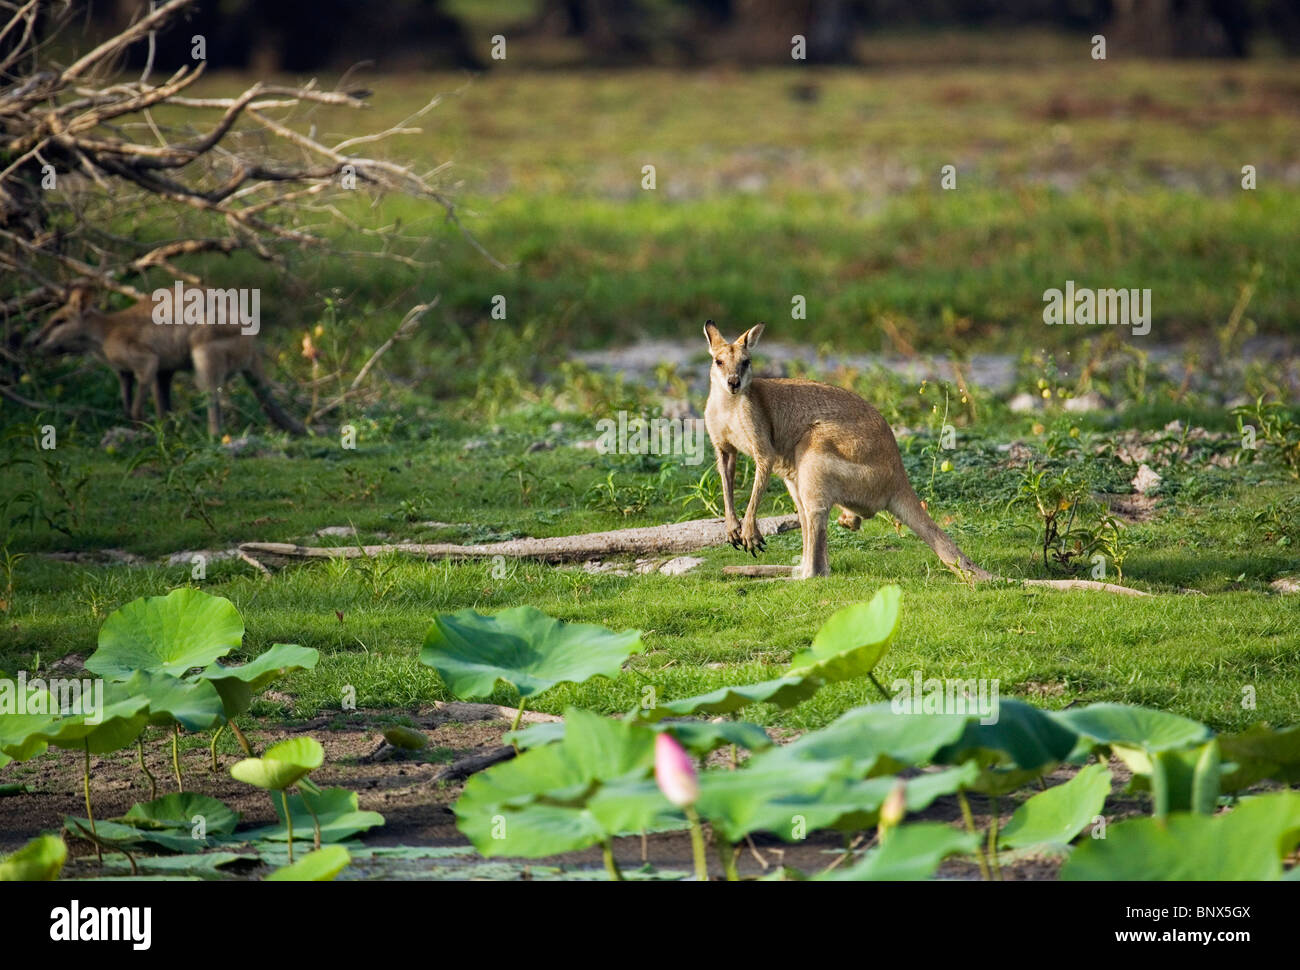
(80, 296)
(750, 337)
(713, 334)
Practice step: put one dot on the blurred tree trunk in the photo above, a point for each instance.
(763, 30)
(1179, 28)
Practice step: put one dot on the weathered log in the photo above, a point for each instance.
(462, 769)
(676, 537)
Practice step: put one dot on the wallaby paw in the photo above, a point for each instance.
(734, 534)
(752, 541)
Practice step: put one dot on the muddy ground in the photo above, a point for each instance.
(404, 787)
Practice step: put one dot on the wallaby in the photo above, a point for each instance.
(829, 446)
(145, 353)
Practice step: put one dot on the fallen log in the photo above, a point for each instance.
(646, 540)
(767, 572)
(462, 769)
(675, 537)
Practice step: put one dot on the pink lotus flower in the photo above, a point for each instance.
(674, 771)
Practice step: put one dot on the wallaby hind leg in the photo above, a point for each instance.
(126, 380)
(165, 389)
(262, 390)
(793, 488)
(145, 377)
(208, 376)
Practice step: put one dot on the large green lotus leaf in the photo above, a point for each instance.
(1021, 744)
(911, 852)
(1261, 752)
(1247, 843)
(876, 736)
(193, 704)
(40, 860)
(1056, 816)
(178, 811)
(166, 634)
(116, 833)
(765, 796)
(282, 765)
(239, 685)
(853, 640)
(594, 749)
(21, 735)
(784, 692)
(634, 806)
(535, 804)
(697, 737)
(525, 648)
(336, 811)
(323, 865)
(203, 865)
(762, 803)
(856, 805)
(123, 717)
(1133, 732)
(1185, 780)
(530, 832)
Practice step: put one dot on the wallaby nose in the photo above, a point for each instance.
(733, 383)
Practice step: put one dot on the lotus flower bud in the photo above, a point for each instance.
(674, 771)
(894, 808)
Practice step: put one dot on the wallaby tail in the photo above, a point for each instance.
(907, 508)
(262, 390)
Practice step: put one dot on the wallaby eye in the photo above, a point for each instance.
(744, 364)
(718, 361)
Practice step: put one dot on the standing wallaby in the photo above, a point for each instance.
(145, 353)
(827, 444)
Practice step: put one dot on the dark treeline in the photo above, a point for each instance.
(304, 35)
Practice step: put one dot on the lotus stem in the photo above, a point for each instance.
(969, 819)
(607, 853)
(993, 838)
(697, 845)
(90, 812)
(288, 820)
(880, 687)
(153, 782)
(727, 853)
(176, 757)
(243, 741)
(212, 748)
(514, 725)
(312, 812)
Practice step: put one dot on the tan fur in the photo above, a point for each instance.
(829, 446)
(146, 354)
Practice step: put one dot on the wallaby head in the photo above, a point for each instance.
(65, 332)
(731, 371)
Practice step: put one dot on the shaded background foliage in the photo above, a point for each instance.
(306, 35)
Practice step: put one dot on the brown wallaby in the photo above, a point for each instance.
(146, 353)
(827, 444)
